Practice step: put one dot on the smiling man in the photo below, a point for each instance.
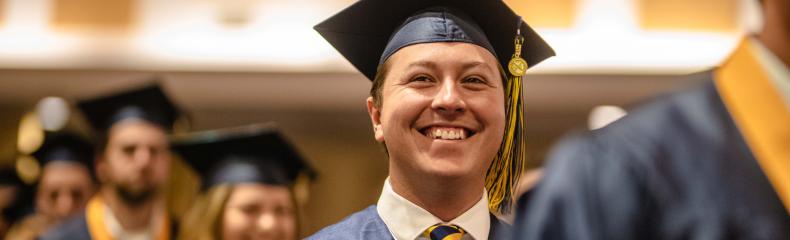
(447, 113)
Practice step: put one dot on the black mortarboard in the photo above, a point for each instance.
(370, 31)
(64, 146)
(250, 154)
(148, 103)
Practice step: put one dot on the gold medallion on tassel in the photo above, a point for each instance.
(517, 65)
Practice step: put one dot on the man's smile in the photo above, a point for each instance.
(447, 132)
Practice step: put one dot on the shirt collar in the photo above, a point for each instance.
(116, 230)
(777, 72)
(406, 221)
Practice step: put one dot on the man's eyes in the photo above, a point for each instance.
(475, 80)
(128, 149)
(422, 78)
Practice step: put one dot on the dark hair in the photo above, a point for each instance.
(102, 139)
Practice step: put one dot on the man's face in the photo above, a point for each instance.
(442, 111)
(63, 190)
(136, 161)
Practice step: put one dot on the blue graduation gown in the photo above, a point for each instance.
(76, 228)
(367, 225)
(677, 168)
(73, 228)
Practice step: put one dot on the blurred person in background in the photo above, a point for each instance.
(64, 186)
(132, 164)
(446, 111)
(711, 162)
(15, 198)
(249, 175)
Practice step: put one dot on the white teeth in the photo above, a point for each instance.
(447, 134)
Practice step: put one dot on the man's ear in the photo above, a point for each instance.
(100, 165)
(375, 119)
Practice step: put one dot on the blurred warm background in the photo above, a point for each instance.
(235, 62)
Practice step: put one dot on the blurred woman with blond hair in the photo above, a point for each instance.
(249, 175)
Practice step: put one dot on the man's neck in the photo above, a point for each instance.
(131, 218)
(445, 198)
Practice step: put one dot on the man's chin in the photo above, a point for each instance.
(453, 166)
(135, 197)
(445, 169)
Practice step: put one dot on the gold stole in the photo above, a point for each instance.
(758, 110)
(94, 215)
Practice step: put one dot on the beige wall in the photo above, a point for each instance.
(705, 15)
(9, 120)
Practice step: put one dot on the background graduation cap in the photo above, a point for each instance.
(368, 32)
(148, 103)
(250, 154)
(65, 146)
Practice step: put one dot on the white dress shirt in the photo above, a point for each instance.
(116, 230)
(407, 221)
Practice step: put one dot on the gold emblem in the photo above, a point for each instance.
(517, 66)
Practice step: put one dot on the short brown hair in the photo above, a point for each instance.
(378, 84)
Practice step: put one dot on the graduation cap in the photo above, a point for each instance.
(65, 146)
(368, 32)
(250, 154)
(148, 103)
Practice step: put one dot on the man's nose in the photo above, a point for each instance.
(449, 100)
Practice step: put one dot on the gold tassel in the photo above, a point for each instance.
(506, 169)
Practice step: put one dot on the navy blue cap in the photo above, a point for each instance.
(65, 146)
(149, 103)
(250, 154)
(368, 32)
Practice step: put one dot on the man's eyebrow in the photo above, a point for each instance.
(423, 63)
(433, 65)
(474, 64)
